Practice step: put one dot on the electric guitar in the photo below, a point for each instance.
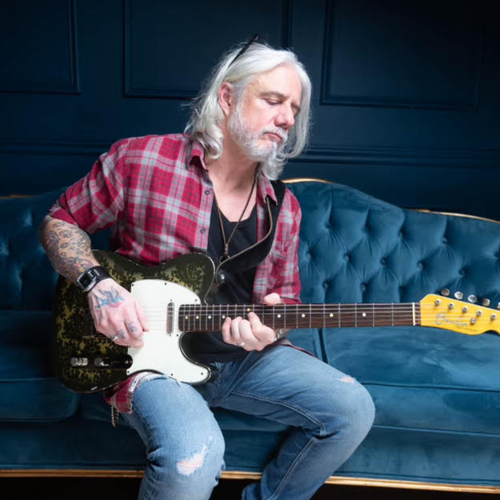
(173, 297)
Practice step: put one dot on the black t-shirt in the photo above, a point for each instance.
(236, 289)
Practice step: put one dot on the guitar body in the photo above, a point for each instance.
(87, 361)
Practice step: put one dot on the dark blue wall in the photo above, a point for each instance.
(406, 99)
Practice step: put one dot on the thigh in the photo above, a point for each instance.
(289, 386)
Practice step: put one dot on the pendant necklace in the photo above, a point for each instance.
(225, 254)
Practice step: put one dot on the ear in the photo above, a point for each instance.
(226, 100)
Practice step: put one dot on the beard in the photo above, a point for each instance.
(248, 139)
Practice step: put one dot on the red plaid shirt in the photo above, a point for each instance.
(156, 195)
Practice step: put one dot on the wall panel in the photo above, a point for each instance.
(405, 102)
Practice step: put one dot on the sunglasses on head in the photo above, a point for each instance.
(245, 47)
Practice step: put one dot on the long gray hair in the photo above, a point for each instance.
(207, 114)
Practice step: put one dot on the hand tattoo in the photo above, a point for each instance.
(111, 298)
(131, 327)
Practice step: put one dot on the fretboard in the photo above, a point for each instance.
(209, 318)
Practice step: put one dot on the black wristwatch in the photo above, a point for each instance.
(89, 279)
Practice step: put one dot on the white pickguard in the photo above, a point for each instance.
(161, 351)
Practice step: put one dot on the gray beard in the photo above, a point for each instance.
(248, 139)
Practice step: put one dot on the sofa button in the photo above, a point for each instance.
(461, 272)
(444, 241)
(420, 265)
(347, 257)
(383, 261)
(363, 287)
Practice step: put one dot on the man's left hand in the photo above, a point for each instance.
(250, 334)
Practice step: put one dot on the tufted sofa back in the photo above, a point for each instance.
(354, 248)
(28, 279)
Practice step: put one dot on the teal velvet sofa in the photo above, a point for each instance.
(436, 391)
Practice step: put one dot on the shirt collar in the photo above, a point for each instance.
(266, 188)
(197, 155)
(264, 185)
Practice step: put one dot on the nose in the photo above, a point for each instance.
(286, 118)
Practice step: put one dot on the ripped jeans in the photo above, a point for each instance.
(329, 414)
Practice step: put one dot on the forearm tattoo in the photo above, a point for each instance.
(67, 247)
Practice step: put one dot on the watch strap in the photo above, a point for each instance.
(89, 278)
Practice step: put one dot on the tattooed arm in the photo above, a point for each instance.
(116, 313)
(67, 247)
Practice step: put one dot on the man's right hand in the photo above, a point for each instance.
(117, 313)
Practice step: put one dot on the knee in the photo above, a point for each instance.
(354, 412)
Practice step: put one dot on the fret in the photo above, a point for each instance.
(210, 318)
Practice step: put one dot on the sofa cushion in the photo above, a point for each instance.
(28, 388)
(423, 378)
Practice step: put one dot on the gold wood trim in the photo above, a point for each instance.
(467, 216)
(306, 179)
(255, 476)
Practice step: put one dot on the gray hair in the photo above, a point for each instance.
(207, 114)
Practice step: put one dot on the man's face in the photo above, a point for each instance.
(266, 112)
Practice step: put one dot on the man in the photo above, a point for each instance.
(210, 190)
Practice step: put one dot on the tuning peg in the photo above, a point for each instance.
(445, 292)
(486, 302)
(472, 299)
(459, 295)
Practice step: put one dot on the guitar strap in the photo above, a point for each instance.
(257, 253)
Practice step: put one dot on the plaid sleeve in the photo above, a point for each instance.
(95, 202)
(286, 269)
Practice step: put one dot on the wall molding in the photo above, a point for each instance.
(391, 155)
(360, 101)
(74, 86)
(129, 91)
(359, 155)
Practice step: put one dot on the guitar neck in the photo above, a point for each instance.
(209, 318)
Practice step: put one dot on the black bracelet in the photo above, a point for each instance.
(89, 279)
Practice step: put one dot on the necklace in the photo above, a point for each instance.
(225, 254)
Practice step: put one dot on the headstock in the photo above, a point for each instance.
(457, 315)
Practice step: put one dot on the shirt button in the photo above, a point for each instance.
(202, 231)
(207, 191)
